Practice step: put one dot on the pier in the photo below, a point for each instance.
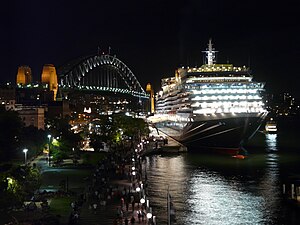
(291, 190)
(160, 143)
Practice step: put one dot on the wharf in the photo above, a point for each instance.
(160, 143)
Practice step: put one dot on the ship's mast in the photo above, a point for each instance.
(210, 54)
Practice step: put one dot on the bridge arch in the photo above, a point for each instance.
(100, 73)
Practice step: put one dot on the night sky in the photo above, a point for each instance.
(154, 37)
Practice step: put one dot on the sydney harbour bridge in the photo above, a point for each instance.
(102, 73)
(100, 79)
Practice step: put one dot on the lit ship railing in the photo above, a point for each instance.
(218, 67)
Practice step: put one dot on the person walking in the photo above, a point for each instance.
(139, 215)
(132, 220)
(95, 207)
(127, 205)
(132, 202)
(126, 221)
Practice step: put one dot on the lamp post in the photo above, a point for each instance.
(49, 137)
(25, 150)
(149, 216)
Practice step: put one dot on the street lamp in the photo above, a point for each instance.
(49, 137)
(149, 215)
(25, 150)
(142, 200)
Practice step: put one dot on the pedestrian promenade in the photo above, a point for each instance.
(108, 214)
(112, 189)
(112, 197)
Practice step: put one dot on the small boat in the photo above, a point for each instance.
(271, 126)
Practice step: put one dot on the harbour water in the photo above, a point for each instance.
(215, 189)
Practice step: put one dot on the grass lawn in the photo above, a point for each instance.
(61, 206)
(51, 179)
(92, 158)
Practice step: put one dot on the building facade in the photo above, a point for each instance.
(32, 116)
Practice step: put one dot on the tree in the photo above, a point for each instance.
(18, 184)
(10, 130)
(132, 127)
(117, 127)
(33, 139)
(67, 140)
(96, 142)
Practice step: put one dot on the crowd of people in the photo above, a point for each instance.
(116, 180)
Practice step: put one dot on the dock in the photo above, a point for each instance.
(161, 143)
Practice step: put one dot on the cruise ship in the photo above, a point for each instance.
(217, 107)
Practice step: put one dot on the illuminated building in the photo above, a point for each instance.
(7, 97)
(24, 75)
(49, 77)
(33, 94)
(102, 103)
(213, 106)
(32, 116)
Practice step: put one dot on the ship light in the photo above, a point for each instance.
(204, 105)
(195, 104)
(214, 104)
(219, 110)
(196, 98)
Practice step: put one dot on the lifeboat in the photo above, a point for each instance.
(239, 156)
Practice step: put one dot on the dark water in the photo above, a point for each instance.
(210, 189)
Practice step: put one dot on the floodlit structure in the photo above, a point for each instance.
(108, 84)
(49, 77)
(24, 75)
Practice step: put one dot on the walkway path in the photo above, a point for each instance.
(113, 189)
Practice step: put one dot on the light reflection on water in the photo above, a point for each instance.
(271, 142)
(216, 189)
